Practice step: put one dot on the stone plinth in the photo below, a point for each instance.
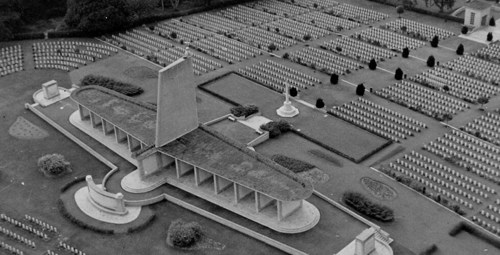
(50, 89)
(287, 110)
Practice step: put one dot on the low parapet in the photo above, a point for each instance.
(105, 201)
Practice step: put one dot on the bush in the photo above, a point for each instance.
(244, 110)
(118, 86)
(406, 52)
(475, 231)
(293, 92)
(373, 64)
(173, 35)
(489, 37)
(292, 164)
(71, 183)
(319, 103)
(276, 128)
(435, 41)
(431, 61)
(334, 79)
(53, 165)
(363, 205)
(307, 37)
(465, 30)
(286, 55)
(360, 90)
(182, 234)
(398, 75)
(460, 49)
(429, 250)
(492, 22)
(272, 47)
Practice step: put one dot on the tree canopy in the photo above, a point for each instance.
(98, 15)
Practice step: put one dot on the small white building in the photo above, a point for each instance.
(477, 14)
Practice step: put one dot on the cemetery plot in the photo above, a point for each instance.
(422, 99)
(201, 64)
(490, 53)
(360, 14)
(67, 55)
(180, 31)
(24, 129)
(357, 50)
(246, 15)
(277, 8)
(325, 21)
(439, 179)
(212, 22)
(489, 218)
(476, 68)
(295, 30)
(418, 30)
(312, 4)
(263, 39)
(378, 119)
(324, 61)
(275, 75)
(226, 49)
(11, 60)
(468, 152)
(459, 85)
(486, 127)
(387, 39)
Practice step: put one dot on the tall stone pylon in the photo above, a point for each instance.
(177, 112)
(287, 110)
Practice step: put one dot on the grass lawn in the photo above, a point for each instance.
(336, 133)
(235, 130)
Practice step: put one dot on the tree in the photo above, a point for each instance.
(98, 15)
(489, 37)
(435, 41)
(319, 103)
(53, 165)
(307, 37)
(460, 49)
(492, 22)
(173, 35)
(400, 10)
(5, 33)
(447, 117)
(293, 92)
(334, 79)
(360, 90)
(431, 61)
(373, 64)
(446, 88)
(441, 4)
(398, 75)
(182, 234)
(272, 47)
(406, 52)
(286, 55)
(482, 101)
(465, 30)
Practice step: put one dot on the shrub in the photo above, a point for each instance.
(53, 165)
(292, 164)
(492, 22)
(429, 250)
(460, 49)
(118, 86)
(276, 128)
(435, 41)
(286, 55)
(373, 64)
(319, 103)
(293, 92)
(360, 90)
(173, 35)
(244, 110)
(406, 52)
(475, 231)
(363, 205)
(182, 234)
(71, 183)
(398, 75)
(465, 30)
(489, 37)
(307, 37)
(431, 61)
(334, 79)
(272, 47)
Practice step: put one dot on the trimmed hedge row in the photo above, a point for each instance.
(64, 212)
(71, 183)
(244, 110)
(475, 231)
(294, 165)
(363, 205)
(429, 250)
(276, 128)
(118, 86)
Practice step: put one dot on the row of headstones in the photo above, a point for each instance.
(71, 248)
(11, 249)
(40, 223)
(49, 252)
(23, 226)
(17, 237)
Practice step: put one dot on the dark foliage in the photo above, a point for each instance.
(435, 41)
(64, 212)
(492, 22)
(429, 250)
(406, 52)
(320, 103)
(184, 234)
(373, 64)
(292, 164)
(460, 49)
(360, 90)
(398, 75)
(475, 231)
(465, 30)
(334, 79)
(293, 92)
(72, 182)
(489, 37)
(431, 61)
(276, 128)
(118, 86)
(363, 205)
(98, 15)
(244, 110)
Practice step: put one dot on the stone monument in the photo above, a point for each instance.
(365, 242)
(287, 110)
(50, 89)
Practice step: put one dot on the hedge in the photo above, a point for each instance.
(244, 110)
(429, 250)
(118, 86)
(292, 164)
(276, 128)
(71, 183)
(82, 224)
(140, 227)
(475, 231)
(363, 205)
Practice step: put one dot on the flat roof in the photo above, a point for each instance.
(210, 152)
(132, 116)
(478, 5)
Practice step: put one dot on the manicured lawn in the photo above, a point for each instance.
(235, 130)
